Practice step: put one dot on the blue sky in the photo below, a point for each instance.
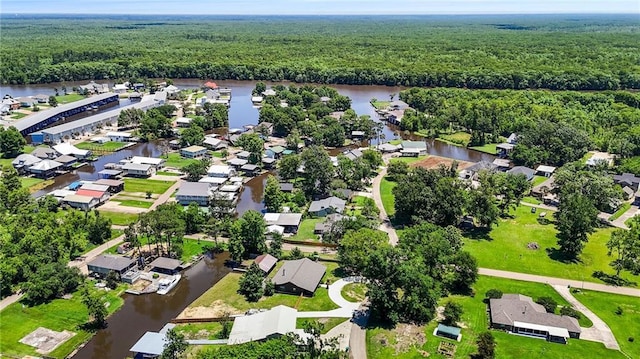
(319, 7)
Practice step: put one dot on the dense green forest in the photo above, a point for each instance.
(573, 52)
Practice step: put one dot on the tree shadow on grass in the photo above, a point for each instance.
(613, 279)
(92, 326)
(558, 256)
(478, 233)
(340, 273)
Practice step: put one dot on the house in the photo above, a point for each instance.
(502, 164)
(101, 196)
(472, 171)
(193, 152)
(274, 323)
(352, 154)
(290, 221)
(250, 169)
(45, 168)
(410, 152)
(84, 203)
(109, 173)
(23, 162)
(165, 265)
(388, 148)
(213, 181)
(414, 145)
(544, 188)
(231, 188)
(172, 91)
(243, 155)
(103, 264)
(266, 262)
(156, 163)
(275, 152)
(268, 162)
(92, 186)
(135, 96)
(599, 158)
(512, 139)
(114, 186)
(160, 97)
(66, 148)
(220, 171)
(398, 105)
(119, 136)
(95, 88)
(214, 143)
(67, 161)
(269, 92)
(264, 128)
(286, 187)
(325, 227)
(299, 276)
(448, 332)
(120, 88)
(12, 104)
(44, 153)
(323, 207)
(197, 192)
(151, 344)
(138, 170)
(522, 170)
(625, 180)
(519, 314)
(546, 171)
(357, 135)
(183, 122)
(503, 149)
(26, 101)
(138, 86)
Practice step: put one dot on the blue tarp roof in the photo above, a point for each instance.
(75, 185)
(445, 329)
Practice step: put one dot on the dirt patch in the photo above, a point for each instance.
(436, 161)
(140, 285)
(215, 310)
(46, 340)
(439, 313)
(408, 336)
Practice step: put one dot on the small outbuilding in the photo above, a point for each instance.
(446, 331)
(165, 265)
(266, 262)
(546, 171)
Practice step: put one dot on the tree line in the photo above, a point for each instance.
(595, 53)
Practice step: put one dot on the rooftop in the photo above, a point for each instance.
(266, 262)
(193, 189)
(193, 149)
(414, 144)
(279, 320)
(166, 263)
(76, 198)
(117, 263)
(513, 308)
(283, 219)
(303, 273)
(545, 169)
(331, 202)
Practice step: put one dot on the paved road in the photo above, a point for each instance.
(166, 195)
(386, 222)
(358, 337)
(600, 332)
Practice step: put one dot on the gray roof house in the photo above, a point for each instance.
(198, 192)
(151, 344)
(165, 265)
(24, 161)
(522, 170)
(103, 264)
(299, 276)
(290, 221)
(471, 171)
(44, 153)
(326, 206)
(627, 179)
(324, 227)
(352, 154)
(273, 323)
(521, 315)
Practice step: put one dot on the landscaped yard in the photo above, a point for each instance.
(142, 185)
(133, 202)
(30, 181)
(121, 219)
(625, 325)
(538, 180)
(110, 146)
(405, 341)
(17, 321)
(305, 231)
(175, 160)
(354, 292)
(489, 148)
(386, 187)
(72, 97)
(505, 247)
(409, 160)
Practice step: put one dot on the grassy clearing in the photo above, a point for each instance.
(531, 199)
(192, 247)
(386, 187)
(18, 115)
(476, 321)
(143, 185)
(107, 146)
(457, 139)
(358, 201)
(164, 173)
(538, 180)
(305, 231)
(225, 292)
(72, 97)
(209, 331)
(380, 105)
(30, 181)
(625, 325)
(133, 203)
(329, 323)
(409, 160)
(489, 148)
(17, 321)
(354, 292)
(625, 207)
(175, 160)
(120, 219)
(505, 247)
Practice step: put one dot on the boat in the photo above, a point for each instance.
(166, 284)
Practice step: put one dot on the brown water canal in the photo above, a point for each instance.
(150, 312)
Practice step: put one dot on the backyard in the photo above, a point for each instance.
(110, 146)
(175, 160)
(305, 231)
(142, 185)
(17, 321)
(410, 341)
(120, 219)
(489, 148)
(72, 97)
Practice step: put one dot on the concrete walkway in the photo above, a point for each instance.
(630, 213)
(341, 331)
(600, 332)
(166, 195)
(346, 307)
(386, 225)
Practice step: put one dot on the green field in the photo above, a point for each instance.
(17, 321)
(505, 247)
(110, 146)
(142, 185)
(380, 105)
(476, 321)
(133, 203)
(530, 199)
(538, 180)
(305, 231)
(175, 160)
(489, 148)
(165, 173)
(72, 97)
(30, 181)
(458, 138)
(121, 219)
(625, 325)
(386, 187)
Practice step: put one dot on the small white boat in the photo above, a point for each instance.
(166, 284)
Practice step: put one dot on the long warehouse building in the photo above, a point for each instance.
(64, 113)
(86, 125)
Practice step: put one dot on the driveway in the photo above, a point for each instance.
(600, 332)
(346, 307)
(386, 222)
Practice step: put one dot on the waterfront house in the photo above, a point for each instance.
(522, 170)
(114, 186)
(44, 153)
(503, 149)
(198, 192)
(250, 169)
(237, 163)
(471, 172)
(109, 173)
(101, 196)
(388, 148)
(151, 344)
(275, 152)
(193, 152)
(220, 171)
(268, 162)
(23, 162)
(214, 143)
(118, 136)
(261, 326)
(165, 265)
(290, 221)
(300, 276)
(120, 88)
(26, 101)
(45, 168)
(157, 163)
(502, 164)
(68, 149)
(138, 170)
(420, 146)
(84, 203)
(323, 207)
(398, 105)
(103, 264)
(67, 161)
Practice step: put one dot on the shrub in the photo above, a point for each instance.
(631, 339)
(452, 313)
(548, 303)
(568, 311)
(493, 294)
(112, 280)
(269, 288)
(619, 311)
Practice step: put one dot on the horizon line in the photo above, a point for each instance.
(327, 14)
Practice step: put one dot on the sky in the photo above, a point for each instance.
(319, 7)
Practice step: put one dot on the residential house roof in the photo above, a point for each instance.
(193, 189)
(25, 159)
(480, 166)
(627, 178)
(213, 180)
(65, 159)
(528, 172)
(268, 160)
(249, 167)
(95, 187)
(166, 263)
(399, 104)
(116, 263)
(43, 152)
(109, 182)
(357, 133)
(45, 165)
(274, 228)
(278, 320)
(160, 96)
(502, 162)
(325, 226)
(110, 172)
(66, 148)
(147, 160)
(136, 167)
(277, 149)
(193, 149)
(414, 144)
(505, 146)
(89, 193)
(230, 188)
(266, 262)
(545, 169)
(237, 162)
(283, 219)
(303, 273)
(520, 308)
(220, 169)
(352, 154)
(213, 142)
(119, 134)
(210, 84)
(336, 203)
(151, 343)
(286, 187)
(76, 198)
(243, 154)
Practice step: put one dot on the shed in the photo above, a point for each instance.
(448, 332)
(108, 174)
(299, 276)
(286, 187)
(165, 265)
(546, 171)
(103, 264)
(266, 262)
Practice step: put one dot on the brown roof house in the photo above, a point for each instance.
(299, 276)
(266, 262)
(519, 314)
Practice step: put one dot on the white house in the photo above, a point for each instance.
(138, 169)
(197, 192)
(220, 171)
(68, 149)
(193, 152)
(157, 163)
(119, 136)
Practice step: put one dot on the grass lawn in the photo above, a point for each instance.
(217, 154)
(531, 199)
(475, 321)
(191, 247)
(537, 180)
(505, 247)
(625, 207)
(133, 203)
(72, 97)
(225, 292)
(175, 160)
(121, 219)
(395, 142)
(7, 161)
(164, 173)
(305, 231)
(458, 138)
(358, 201)
(143, 185)
(631, 164)
(329, 323)
(624, 326)
(354, 292)
(489, 148)
(18, 115)
(200, 330)
(107, 146)
(58, 315)
(380, 105)
(386, 187)
(29, 181)
(409, 160)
